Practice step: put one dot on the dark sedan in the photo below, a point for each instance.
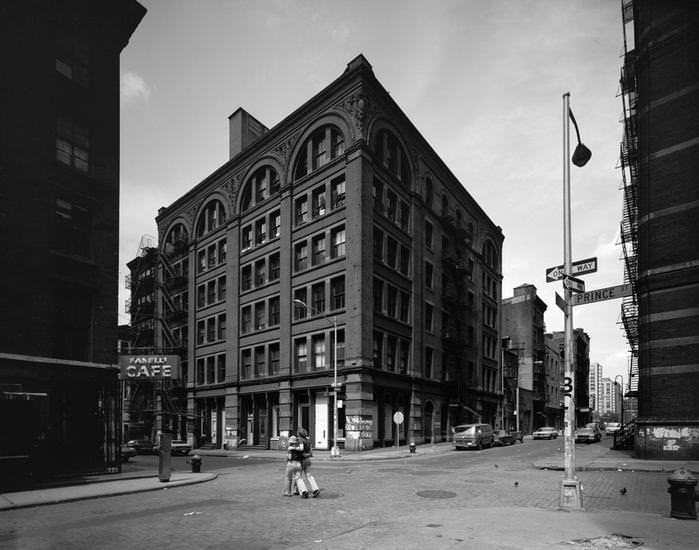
(502, 438)
(142, 446)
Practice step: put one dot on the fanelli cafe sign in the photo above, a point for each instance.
(138, 367)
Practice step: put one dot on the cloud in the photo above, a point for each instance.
(133, 88)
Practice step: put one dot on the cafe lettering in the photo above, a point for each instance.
(138, 367)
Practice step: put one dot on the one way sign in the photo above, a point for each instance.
(578, 268)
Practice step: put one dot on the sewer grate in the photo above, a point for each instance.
(608, 542)
(436, 494)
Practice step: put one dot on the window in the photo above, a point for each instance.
(246, 364)
(221, 288)
(72, 144)
(273, 359)
(428, 362)
(429, 275)
(211, 256)
(429, 315)
(211, 218)
(445, 205)
(72, 59)
(391, 205)
(259, 315)
(260, 231)
(318, 245)
(391, 300)
(391, 252)
(221, 326)
(340, 347)
(222, 251)
(337, 292)
(210, 369)
(337, 237)
(259, 361)
(200, 371)
(221, 368)
(246, 238)
(337, 192)
(201, 261)
(377, 195)
(210, 292)
(404, 307)
(429, 193)
(274, 266)
(246, 277)
(211, 329)
(300, 311)
(261, 185)
(405, 260)
(323, 145)
(274, 311)
(301, 256)
(318, 298)
(318, 202)
(428, 234)
(378, 349)
(378, 244)
(390, 353)
(260, 272)
(301, 210)
(378, 295)
(404, 216)
(246, 320)
(72, 229)
(404, 357)
(201, 332)
(318, 342)
(275, 222)
(391, 155)
(300, 355)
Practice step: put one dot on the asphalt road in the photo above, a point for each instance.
(244, 507)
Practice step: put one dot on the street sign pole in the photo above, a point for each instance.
(571, 496)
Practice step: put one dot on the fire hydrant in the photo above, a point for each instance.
(682, 495)
(412, 447)
(196, 464)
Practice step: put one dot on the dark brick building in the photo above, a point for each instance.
(660, 159)
(59, 196)
(337, 239)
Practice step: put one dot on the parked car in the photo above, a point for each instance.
(180, 447)
(613, 427)
(503, 437)
(469, 436)
(142, 446)
(590, 433)
(127, 453)
(546, 432)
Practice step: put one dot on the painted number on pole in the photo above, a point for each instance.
(581, 267)
(567, 386)
(398, 417)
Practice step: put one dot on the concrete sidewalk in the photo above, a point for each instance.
(599, 456)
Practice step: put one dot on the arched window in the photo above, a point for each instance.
(489, 255)
(212, 217)
(177, 235)
(429, 193)
(262, 184)
(322, 146)
(391, 156)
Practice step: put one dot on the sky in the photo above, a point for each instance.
(482, 80)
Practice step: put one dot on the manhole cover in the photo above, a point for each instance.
(436, 494)
(608, 542)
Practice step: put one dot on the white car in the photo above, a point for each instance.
(613, 427)
(547, 432)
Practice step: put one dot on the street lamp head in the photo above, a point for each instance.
(581, 155)
(300, 302)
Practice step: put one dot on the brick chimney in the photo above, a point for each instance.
(243, 130)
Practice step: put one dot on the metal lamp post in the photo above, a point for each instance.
(334, 450)
(571, 495)
(621, 395)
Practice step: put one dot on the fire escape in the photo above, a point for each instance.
(629, 164)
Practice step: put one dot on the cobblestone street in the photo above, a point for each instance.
(360, 503)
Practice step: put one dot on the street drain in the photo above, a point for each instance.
(436, 494)
(608, 542)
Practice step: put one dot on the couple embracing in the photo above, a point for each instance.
(298, 464)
